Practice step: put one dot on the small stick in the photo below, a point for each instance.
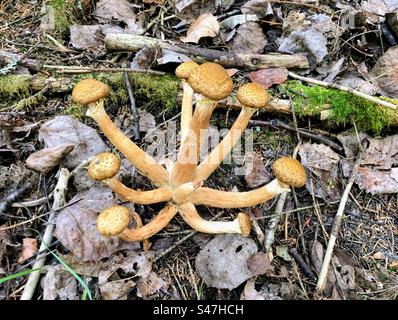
(346, 89)
(136, 116)
(303, 265)
(59, 200)
(336, 226)
(79, 70)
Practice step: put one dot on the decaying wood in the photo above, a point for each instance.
(120, 41)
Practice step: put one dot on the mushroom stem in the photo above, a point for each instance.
(218, 154)
(186, 109)
(185, 167)
(240, 225)
(229, 199)
(161, 194)
(139, 158)
(146, 244)
(158, 223)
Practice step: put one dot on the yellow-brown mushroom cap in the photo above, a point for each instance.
(252, 95)
(184, 69)
(113, 220)
(290, 171)
(88, 91)
(211, 80)
(104, 166)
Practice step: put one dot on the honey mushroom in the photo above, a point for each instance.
(91, 92)
(213, 83)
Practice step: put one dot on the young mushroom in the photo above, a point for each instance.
(253, 97)
(114, 221)
(91, 92)
(288, 172)
(213, 83)
(105, 166)
(183, 71)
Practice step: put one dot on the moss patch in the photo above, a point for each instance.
(14, 86)
(345, 107)
(64, 14)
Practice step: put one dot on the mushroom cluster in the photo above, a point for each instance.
(180, 185)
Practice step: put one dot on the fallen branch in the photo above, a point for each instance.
(59, 200)
(346, 89)
(83, 70)
(119, 41)
(336, 226)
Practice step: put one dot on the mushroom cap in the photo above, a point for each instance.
(89, 90)
(244, 223)
(253, 95)
(104, 166)
(113, 220)
(211, 80)
(184, 69)
(290, 171)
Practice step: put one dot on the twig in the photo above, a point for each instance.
(80, 70)
(136, 116)
(14, 195)
(336, 226)
(59, 200)
(346, 89)
(303, 265)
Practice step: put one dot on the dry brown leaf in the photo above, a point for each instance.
(249, 39)
(323, 162)
(29, 248)
(206, 25)
(64, 129)
(59, 283)
(259, 264)
(250, 292)
(76, 226)
(385, 74)
(260, 8)
(147, 286)
(115, 290)
(269, 77)
(257, 174)
(376, 9)
(222, 263)
(48, 158)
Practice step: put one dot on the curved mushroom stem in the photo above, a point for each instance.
(228, 199)
(185, 167)
(186, 108)
(240, 225)
(218, 154)
(161, 194)
(139, 158)
(146, 244)
(158, 223)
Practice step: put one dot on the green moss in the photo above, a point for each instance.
(75, 110)
(64, 15)
(345, 107)
(14, 86)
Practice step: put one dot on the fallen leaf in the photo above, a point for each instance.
(257, 174)
(283, 252)
(222, 263)
(59, 283)
(384, 73)
(64, 129)
(115, 290)
(150, 285)
(29, 248)
(48, 158)
(349, 141)
(250, 292)
(376, 9)
(120, 11)
(235, 20)
(206, 25)
(330, 70)
(260, 8)
(189, 9)
(269, 77)
(378, 256)
(87, 38)
(249, 39)
(259, 264)
(323, 162)
(146, 58)
(169, 56)
(354, 81)
(76, 226)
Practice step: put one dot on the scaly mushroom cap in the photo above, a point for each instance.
(184, 69)
(104, 166)
(253, 95)
(211, 80)
(89, 90)
(290, 171)
(113, 220)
